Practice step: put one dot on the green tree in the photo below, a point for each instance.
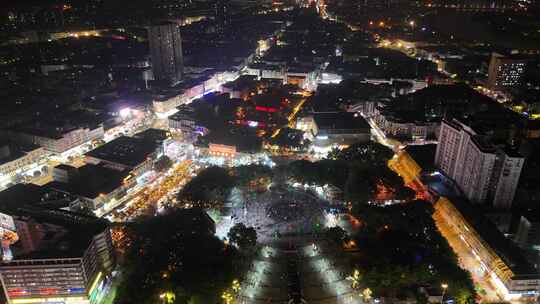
(242, 236)
(334, 153)
(335, 234)
(210, 187)
(252, 174)
(163, 164)
(175, 252)
(405, 193)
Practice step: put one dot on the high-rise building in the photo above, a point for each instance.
(483, 171)
(166, 51)
(505, 71)
(221, 13)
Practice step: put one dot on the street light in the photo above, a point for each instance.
(167, 297)
(236, 286)
(444, 287)
(227, 297)
(355, 279)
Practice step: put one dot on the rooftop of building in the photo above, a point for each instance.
(265, 66)
(156, 135)
(24, 195)
(56, 126)
(128, 151)
(242, 82)
(512, 152)
(113, 103)
(453, 101)
(483, 144)
(532, 215)
(91, 181)
(70, 241)
(300, 69)
(65, 167)
(15, 151)
(505, 248)
(181, 115)
(340, 120)
(42, 204)
(505, 56)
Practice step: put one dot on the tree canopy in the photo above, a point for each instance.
(163, 163)
(210, 186)
(242, 236)
(419, 254)
(252, 175)
(335, 234)
(176, 252)
(360, 171)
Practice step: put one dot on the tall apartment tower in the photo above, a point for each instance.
(505, 71)
(166, 51)
(221, 14)
(483, 171)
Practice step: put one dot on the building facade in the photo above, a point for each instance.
(504, 267)
(166, 51)
(483, 171)
(504, 71)
(12, 164)
(221, 150)
(74, 280)
(183, 121)
(60, 141)
(396, 127)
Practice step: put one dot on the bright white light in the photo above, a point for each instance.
(163, 115)
(125, 112)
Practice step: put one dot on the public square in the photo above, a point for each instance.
(289, 223)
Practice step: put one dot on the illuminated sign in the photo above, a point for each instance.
(17, 292)
(266, 109)
(48, 291)
(6, 222)
(96, 281)
(76, 290)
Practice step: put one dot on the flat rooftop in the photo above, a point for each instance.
(340, 121)
(127, 151)
(151, 134)
(69, 239)
(92, 180)
(56, 126)
(242, 82)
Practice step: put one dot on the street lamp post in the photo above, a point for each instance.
(444, 287)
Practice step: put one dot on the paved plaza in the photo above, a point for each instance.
(288, 223)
